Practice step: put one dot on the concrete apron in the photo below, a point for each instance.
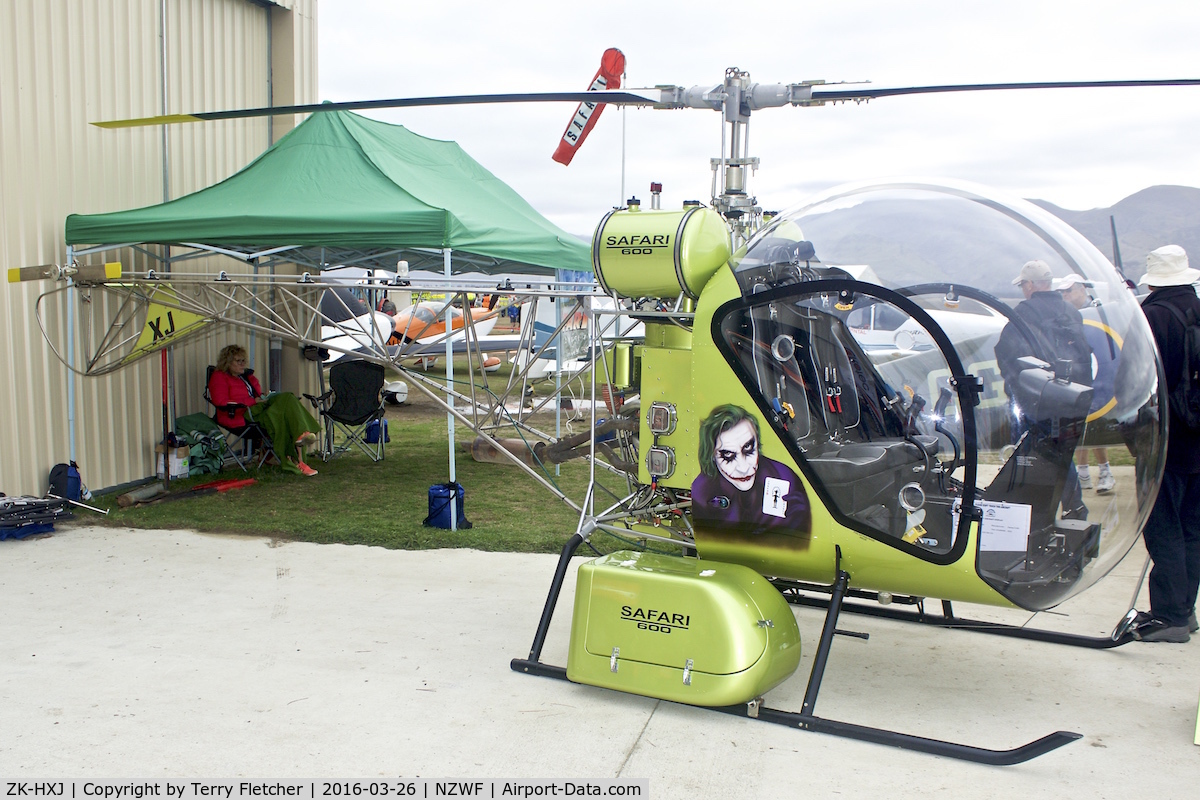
(154, 655)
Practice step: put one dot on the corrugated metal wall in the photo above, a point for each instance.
(63, 64)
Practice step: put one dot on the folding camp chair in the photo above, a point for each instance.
(247, 445)
(354, 401)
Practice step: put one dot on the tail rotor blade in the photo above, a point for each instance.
(94, 273)
(82, 273)
(38, 273)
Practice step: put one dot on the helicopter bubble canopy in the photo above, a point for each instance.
(915, 356)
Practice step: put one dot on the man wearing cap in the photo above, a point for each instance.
(1057, 330)
(1073, 289)
(1049, 317)
(1172, 533)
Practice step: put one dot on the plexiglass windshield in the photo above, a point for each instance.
(988, 307)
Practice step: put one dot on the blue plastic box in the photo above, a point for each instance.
(440, 495)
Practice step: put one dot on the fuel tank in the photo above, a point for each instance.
(659, 253)
(699, 632)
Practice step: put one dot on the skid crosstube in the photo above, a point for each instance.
(805, 720)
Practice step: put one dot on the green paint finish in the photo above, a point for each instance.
(810, 559)
(871, 562)
(661, 611)
(667, 378)
(670, 336)
(659, 253)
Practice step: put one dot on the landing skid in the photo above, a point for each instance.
(805, 719)
(801, 594)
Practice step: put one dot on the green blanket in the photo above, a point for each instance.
(284, 420)
(206, 442)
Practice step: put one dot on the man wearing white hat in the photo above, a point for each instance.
(1172, 533)
(1073, 289)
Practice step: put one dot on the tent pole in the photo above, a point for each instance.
(168, 389)
(450, 393)
(558, 365)
(71, 455)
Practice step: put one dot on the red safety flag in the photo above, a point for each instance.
(225, 485)
(612, 67)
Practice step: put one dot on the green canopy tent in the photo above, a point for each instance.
(341, 183)
(342, 189)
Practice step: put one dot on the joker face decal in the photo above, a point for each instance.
(736, 455)
(767, 503)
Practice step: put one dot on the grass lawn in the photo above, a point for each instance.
(356, 501)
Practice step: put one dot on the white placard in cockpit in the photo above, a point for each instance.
(1005, 525)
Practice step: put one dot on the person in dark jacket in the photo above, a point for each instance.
(1172, 533)
(1052, 332)
(1056, 325)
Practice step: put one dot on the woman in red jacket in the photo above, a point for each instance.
(238, 397)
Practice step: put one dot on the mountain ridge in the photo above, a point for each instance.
(1145, 220)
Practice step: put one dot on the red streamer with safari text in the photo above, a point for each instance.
(612, 67)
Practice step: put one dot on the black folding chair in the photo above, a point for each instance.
(249, 444)
(354, 401)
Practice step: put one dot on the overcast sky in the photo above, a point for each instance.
(1078, 149)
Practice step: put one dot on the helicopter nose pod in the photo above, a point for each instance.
(918, 351)
(659, 253)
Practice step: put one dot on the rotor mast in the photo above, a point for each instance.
(735, 99)
(739, 208)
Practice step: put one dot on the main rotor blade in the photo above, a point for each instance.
(623, 98)
(660, 97)
(840, 93)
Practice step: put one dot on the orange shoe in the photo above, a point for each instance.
(305, 469)
(306, 439)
